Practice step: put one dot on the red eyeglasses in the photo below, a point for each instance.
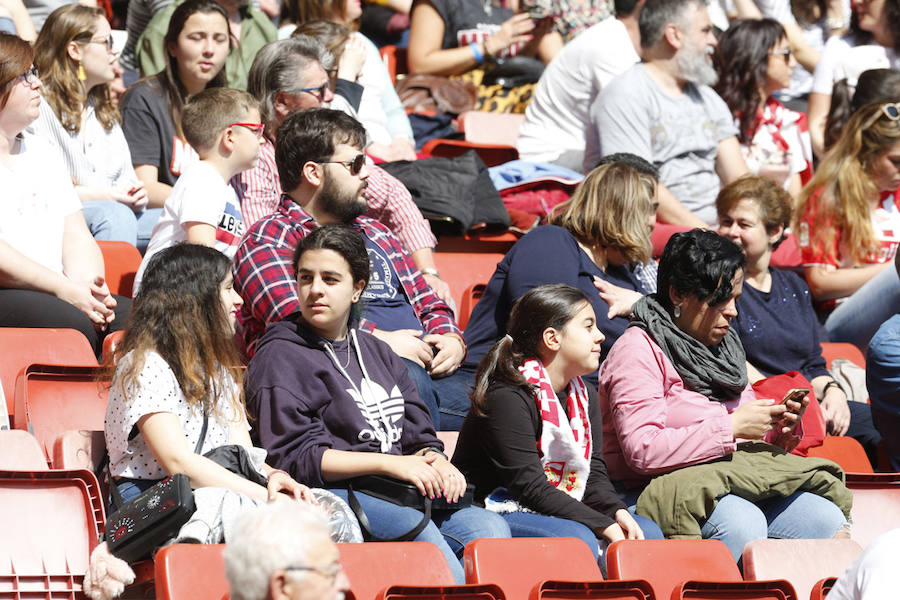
(256, 128)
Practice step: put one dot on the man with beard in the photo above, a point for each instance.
(664, 111)
(323, 172)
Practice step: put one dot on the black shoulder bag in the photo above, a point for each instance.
(145, 523)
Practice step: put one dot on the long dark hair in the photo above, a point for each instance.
(874, 85)
(552, 305)
(178, 313)
(168, 79)
(741, 61)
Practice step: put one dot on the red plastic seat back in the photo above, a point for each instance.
(457, 592)
(50, 527)
(110, 342)
(464, 261)
(195, 571)
(803, 562)
(737, 590)
(833, 350)
(19, 451)
(122, 261)
(668, 563)
(845, 451)
(470, 298)
(490, 154)
(876, 505)
(518, 565)
(373, 566)
(20, 347)
(449, 438)
(53, 399)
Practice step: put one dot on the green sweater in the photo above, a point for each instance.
(755, 471)
(256, 31)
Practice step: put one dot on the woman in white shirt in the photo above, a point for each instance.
(74, 55)
(51, 270)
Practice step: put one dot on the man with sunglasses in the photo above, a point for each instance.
(665, 111)
(291, 75)
(323, 170)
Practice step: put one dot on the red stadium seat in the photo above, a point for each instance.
(78, 449)
(821, 589)
(110, 342)
(52, 399)
(456, 592)
(122, 261)
(374, 566)
(52, 523)
(876, 505)
(20, 347)
(394, 60)
(833, 350)
(191, 571)
(846, 452)
(449, 438)
(470, 298)
(740, 590)
(464, 261)
(491, 154)
(803, 562)
(521, 565)
(19, 451)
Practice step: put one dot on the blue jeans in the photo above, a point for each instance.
(113, 221)
(453, 397)
(802, 515)
(423, 380)
(858, 318)
(883, 382)
(130, 489)
(449, 530)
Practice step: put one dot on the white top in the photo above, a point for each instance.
(94, 156)
(37, 197)
(201, 194)
(157, 391)
(842, 57)
(377, 84)
(558, 114)
(874, 575)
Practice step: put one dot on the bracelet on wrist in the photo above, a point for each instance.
(830, 385)
(274, 471)
(432, 270)
(433, 449)
(476, 51)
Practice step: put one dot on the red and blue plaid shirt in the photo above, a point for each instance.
(265, 277)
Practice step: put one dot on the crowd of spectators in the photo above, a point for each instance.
(241, 154)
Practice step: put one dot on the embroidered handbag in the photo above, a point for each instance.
(145, 523)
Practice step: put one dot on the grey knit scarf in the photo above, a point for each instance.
(718, 372)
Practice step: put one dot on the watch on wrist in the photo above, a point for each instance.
(830, 385)
(433, 449)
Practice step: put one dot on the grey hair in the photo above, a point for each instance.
(275, 70)
(656, 14)
(268, 538)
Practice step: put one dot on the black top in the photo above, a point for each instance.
(500, 451)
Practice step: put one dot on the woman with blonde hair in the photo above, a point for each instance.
(598, 234)
(74, 56)
(849, 226)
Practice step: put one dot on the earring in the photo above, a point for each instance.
(677, 311)
(81, 74)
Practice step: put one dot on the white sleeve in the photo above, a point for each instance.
(823, 76)
(780, 10)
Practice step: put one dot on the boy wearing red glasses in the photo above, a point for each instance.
(223, 126)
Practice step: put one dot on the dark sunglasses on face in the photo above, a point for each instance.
(354, 166)
(785, 54)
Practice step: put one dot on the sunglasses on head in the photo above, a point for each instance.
(354, 166)
(891, 110)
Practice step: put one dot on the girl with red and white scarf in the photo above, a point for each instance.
(531, 443)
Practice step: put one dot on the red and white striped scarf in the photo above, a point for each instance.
(565, 445)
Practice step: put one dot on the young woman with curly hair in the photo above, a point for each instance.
(754, 60)
(74, 56)
(849, 225)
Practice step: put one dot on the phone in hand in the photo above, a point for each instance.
(796, 395)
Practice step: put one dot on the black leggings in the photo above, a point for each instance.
(25, 308)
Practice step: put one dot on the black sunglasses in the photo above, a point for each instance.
(354, 166)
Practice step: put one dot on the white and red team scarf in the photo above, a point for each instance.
(565, 445)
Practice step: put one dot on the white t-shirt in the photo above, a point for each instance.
(37, 196)
(201, 194)
(157, 391)
(874, 575)
(842, 57)
(558, 114)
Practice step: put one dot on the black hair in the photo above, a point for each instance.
(623, 8)
(699, 263)
(639, 164)
(551, 305)
(312, 136)
(742, 62)
(874, 85)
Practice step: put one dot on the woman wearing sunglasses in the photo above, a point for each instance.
(51, 270)
(849, 226)
(197, 44)
(75, 58)
(754, 61)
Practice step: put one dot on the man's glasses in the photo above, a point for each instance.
(354, 166)
(785, 54)
(256, 128)
(318, 92)
(30, 76)
(330, 572)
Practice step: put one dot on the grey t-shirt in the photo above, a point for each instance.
(680, 135)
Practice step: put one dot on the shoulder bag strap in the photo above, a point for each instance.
(360, 513)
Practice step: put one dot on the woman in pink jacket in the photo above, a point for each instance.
(674, 393)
